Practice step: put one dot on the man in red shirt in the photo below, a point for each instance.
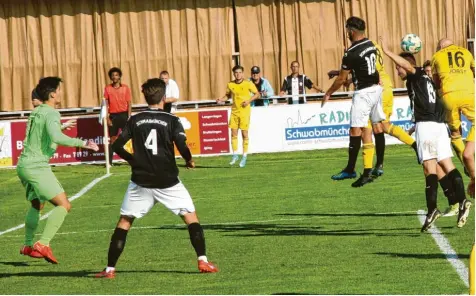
(119, 106)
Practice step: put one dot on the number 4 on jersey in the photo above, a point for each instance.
(151, 141)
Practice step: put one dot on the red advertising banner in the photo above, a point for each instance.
(214, 132)
(207, 133)
(86, 128)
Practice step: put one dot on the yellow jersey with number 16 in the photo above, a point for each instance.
(453, 65)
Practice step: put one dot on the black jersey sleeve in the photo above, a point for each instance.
(308, 82)
(284, 87)
(118, 145)
(347, 62)
(180, 139)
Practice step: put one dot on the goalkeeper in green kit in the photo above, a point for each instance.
(43, 134)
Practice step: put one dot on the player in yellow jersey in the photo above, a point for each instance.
(243, 92)
(453, 74)
(386, 126)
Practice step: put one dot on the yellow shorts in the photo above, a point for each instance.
(387, 104)
(455, 104)
(240, 121)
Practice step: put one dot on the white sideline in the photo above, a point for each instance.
(446, 249)
(76, 196)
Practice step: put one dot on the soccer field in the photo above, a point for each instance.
(278, 226)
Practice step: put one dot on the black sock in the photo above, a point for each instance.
(367, 172)
(458, 186)
(447, 187)
(354, 147)
(380, 148)
(431, 192)
(414, 146)
(118, 241)
(197, 238)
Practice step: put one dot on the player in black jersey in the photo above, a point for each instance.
(154, 174)
(360, 60)
(432, 135)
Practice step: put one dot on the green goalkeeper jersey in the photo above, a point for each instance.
(43, 134)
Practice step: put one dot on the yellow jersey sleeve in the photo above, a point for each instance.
(453, 65)
(252, 88)
(384, 77)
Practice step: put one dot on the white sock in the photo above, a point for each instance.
(245, 154)
(109, 269)
(203, 258)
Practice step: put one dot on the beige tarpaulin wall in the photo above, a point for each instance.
(79, 40)
(274, 33)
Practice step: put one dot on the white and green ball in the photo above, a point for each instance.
(411, 43)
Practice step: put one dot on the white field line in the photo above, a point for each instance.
(208, 224)
(446, 249)
(76, 196)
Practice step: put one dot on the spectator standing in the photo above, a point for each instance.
(296, 84)
(262, 85)
(171, 92)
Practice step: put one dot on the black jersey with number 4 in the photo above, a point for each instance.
(427, 104)
(153, 135)
(361, 58)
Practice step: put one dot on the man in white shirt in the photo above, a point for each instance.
(171, 92)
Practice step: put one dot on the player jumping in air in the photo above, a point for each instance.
(361, 60)
(155, 175)
(453, 74)
(433, 142)
(43, 134)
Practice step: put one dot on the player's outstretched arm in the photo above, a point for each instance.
(396, 58)
(338, 82)
(53, 129)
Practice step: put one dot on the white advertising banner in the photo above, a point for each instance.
(308, 126)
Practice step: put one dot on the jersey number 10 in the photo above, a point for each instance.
(151, 141)
(371, 63)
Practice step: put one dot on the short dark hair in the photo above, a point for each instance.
(295, 62)
(409, 57)
(427, 63)
(164, 73)
(114, 70)
(354, 22)
(237, 67)
(46, 86)
(154, 90)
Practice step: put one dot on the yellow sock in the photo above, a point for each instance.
(471, 272)
(234, 143)
(458, 146)
(400, 134)
(368, 155)
(245, 145)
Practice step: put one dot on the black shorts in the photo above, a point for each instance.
(119, 121)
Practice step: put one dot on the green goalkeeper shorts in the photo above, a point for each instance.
(40, 183)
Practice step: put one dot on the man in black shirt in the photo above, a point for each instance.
(154, 174)
(296, 84)
(432, 136)
(360, 60)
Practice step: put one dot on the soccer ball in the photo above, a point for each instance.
(411, 43)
